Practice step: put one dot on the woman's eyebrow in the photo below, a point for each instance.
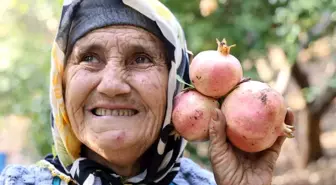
(153, 49)
(89, 47)
(144, 46)
(132, 45)
(141, 47)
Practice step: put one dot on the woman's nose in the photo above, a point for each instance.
(113, 82)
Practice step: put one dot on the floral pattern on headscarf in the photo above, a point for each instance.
(167, 149)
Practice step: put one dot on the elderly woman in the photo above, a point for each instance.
(113, 79)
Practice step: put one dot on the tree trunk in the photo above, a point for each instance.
(310, 147)
(308, 137)
(313, 133)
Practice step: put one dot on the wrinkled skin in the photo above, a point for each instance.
(105, 67)
(117, 67)
(234, 167)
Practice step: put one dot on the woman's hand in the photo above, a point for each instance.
(232, 166)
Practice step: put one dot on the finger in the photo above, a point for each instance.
(289, 120)
(276, 147)
(217, 125)
(271, 155)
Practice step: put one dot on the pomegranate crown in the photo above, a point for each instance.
(223, 48)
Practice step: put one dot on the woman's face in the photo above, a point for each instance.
(115, 91)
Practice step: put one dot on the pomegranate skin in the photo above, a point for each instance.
(192, 114)
(215, 74)
(255, 115)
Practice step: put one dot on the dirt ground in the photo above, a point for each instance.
(321, 172)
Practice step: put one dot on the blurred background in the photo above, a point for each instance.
(289, 44)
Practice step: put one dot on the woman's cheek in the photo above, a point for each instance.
(152, 85)
(79, 85)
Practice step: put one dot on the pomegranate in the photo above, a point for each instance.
(192, 114)
(255, 115)
(215, 73)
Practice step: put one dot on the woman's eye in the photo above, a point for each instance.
(142, 59)
(90, 59)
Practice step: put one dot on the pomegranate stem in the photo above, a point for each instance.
(244, 80)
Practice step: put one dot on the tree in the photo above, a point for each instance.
(318, 105)
(28, 29)
(255, 26)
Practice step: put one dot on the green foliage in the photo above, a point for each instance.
(310, 93)
(254, 26)
(332, 82)
(25, 56)
(28, 28)
(180, 79)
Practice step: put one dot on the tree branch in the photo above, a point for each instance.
(324, 24)
(282, 81)
(300, 76)
(320, 28)
(323, 101)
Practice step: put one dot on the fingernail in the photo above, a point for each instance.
(214, 115)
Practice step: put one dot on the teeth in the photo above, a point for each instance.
(108, 112)
(115, 112)
(99, 111)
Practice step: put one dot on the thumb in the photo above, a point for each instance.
(217, 134)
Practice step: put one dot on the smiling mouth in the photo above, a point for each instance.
(114, 112)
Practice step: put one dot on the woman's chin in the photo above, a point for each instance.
(113, 140)
(117, 146)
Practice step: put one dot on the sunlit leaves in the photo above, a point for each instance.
(26, 35)
(28, 28)
(311, 93)
(332, 82)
